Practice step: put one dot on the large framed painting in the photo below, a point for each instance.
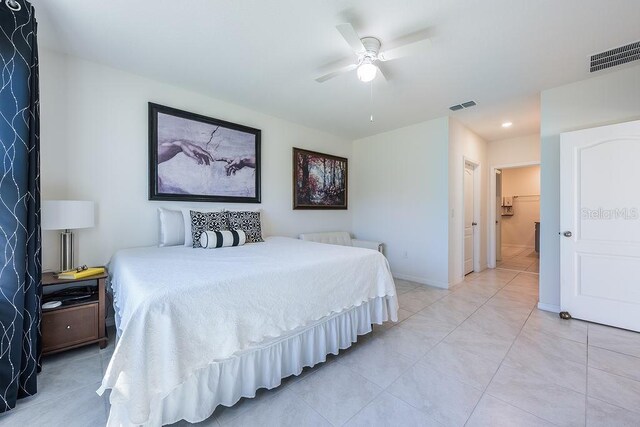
(319, 180)
(199, 158)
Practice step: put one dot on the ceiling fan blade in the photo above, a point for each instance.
(336, 73)
(414, 48)
(384, 75)
(351, 37)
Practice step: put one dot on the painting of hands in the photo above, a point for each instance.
(198, 158)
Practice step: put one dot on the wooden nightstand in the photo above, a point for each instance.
(74, 324)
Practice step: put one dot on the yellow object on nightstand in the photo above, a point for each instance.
(74, 274)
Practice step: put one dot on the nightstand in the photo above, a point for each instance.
(75, 323)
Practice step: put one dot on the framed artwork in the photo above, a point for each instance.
(196, 158)
(319, 180)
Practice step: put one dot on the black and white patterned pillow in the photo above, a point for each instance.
(249, 222)
(207, 221)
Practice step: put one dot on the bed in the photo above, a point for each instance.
(198, 328)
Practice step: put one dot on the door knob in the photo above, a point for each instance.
(567, 234)
(474, 223)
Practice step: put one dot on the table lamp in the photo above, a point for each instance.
(67, 215)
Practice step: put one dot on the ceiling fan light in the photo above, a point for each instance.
(367, 71)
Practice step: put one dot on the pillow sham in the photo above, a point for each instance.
(220, 239)
(249, 222)
(186, 218)
(207, 221)
(171, 227)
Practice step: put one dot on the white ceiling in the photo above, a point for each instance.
(265, 54)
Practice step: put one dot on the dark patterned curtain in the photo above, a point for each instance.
(19, 204)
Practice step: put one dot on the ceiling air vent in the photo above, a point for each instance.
(614, 57)
(467, 104)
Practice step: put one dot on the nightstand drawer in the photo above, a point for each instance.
(69, 326)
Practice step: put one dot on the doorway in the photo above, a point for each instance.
(498, 220)
(469, 221)
(515, 222)
(471, 211)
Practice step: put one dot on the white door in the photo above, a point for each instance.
(468, 218)
(600, 221)
(498, 215)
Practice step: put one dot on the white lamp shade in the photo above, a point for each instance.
(367, 71)
(67, 214)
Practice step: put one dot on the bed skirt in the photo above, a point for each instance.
(264, 366)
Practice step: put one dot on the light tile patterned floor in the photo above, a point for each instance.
(519, 258)
(478, 355)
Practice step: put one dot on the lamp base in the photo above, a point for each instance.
(66, 250)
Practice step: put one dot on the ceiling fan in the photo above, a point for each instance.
(368, 51)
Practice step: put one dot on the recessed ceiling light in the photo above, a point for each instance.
(507, 124)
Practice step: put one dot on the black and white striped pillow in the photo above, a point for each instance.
(219, 239)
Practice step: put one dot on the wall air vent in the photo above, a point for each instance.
(467, 104)
(614, 57)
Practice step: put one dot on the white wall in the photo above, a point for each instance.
(94, 147)
(519, 229)
(524, 149)
(464, 144)
(609, 98)
(402, 198)
(53, 152)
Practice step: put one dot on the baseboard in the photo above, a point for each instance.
(549, 307)
(518, 246)
(421, 280)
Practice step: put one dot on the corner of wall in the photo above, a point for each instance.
(403, 199)
(464, 143)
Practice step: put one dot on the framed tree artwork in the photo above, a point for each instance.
(319, 180)
(199, 158)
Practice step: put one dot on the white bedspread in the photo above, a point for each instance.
(181, 309)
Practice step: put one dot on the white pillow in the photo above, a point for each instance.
(171, 227)
(224, 238)
(244, 210)
(186, 223)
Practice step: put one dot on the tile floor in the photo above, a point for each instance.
(519, 258)
(480, 354)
